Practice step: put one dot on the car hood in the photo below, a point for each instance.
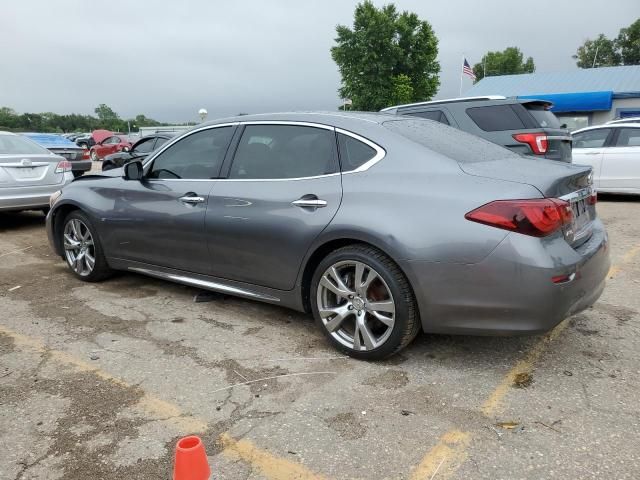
(100, 135)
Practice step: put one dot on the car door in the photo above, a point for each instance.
(283, 188)
(588, 147)
(105, 147)
(160, 219)
(621, 161)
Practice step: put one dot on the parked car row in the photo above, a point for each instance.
(59, 145)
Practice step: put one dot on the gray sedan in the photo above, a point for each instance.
(379, 225)
(29, 173)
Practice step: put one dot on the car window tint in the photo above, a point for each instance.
(628, 137)
(145, 146)
(284, 151)
(14, 144)
(197, 156)
(353, 153)
(495, 118)
(591, 138)
(159, 142)
(544, 118)
(436, 115)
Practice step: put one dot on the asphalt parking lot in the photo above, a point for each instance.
(99, 380)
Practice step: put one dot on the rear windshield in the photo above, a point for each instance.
(544, 118)
(451, 142)
(17, 145)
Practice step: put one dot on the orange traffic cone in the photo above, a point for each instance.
(191, 460)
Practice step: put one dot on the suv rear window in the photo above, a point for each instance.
(461, 146)
(436, 115)
(544, 118)
(494, 118)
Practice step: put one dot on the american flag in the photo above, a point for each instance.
(466, 69)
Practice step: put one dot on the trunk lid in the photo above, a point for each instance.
(569, 182)
(29, 170)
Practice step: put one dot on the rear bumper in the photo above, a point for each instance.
(81, 165)
(511, 291)
(29, 198)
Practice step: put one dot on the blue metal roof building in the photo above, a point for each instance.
(581, 97)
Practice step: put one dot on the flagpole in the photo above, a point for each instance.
(461, 73)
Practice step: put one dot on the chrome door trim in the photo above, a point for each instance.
(192, 199)
(380, 152)
(311, 203)
(206, 284)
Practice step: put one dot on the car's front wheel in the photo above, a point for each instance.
(82, 248)
(94, 156)
(363, 303)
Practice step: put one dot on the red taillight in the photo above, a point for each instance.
(86, 155)
(539, 142)
(63, 166)
(593, 198)
(536, 217)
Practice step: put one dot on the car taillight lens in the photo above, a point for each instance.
(536, 217)
(539, 142)
(63, 166)
(86, 155)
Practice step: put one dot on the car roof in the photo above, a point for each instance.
(328, 118)
(607, 125)
(447, 100)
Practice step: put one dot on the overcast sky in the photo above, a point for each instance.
(168, 59)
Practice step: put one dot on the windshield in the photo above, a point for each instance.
(17, 145)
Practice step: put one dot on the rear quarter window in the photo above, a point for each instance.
(448, 141)
(544, 118)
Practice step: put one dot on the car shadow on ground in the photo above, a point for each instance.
(615, 197)
(15, 221)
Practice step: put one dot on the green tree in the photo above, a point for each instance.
(508, 62)
(385, 56)
(605, 49)
(628, 42)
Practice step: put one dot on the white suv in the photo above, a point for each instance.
(613, 150)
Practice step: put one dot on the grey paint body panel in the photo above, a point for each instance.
(248, 236)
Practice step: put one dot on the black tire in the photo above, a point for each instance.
(107, 165)
(94, 156)
(406, 317)
(101, 269)
(76, 174)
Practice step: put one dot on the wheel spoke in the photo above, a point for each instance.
(367, 336)
(89, 260)
(340, 290)
(333, 273)
(383, 306)
(79, 262)
(70, 243)
(364, 286)
(341, 313)
(75, 228)
(388, 321)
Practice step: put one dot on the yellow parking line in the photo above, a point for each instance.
(448, 455)
(268, 465)
(271, 466)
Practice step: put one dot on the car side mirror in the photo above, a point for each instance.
(133, 171)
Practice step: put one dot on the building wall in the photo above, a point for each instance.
(598, 118)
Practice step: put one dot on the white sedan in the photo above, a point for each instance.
(613, 151)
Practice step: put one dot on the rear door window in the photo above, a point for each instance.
(494, 118)
(591, 138)
(284, 151)
(145, 146)
(628, 137)
(353, 152)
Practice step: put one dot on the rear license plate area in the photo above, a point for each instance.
(581, 215)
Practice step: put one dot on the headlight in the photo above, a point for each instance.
(54, 196)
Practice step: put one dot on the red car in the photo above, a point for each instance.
(111, 144)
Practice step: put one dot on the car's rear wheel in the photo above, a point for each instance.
(363, 303)
(82, 248)
(94, 156)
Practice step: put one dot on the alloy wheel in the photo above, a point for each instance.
(79, 248)
(94, 156)
(356, 305)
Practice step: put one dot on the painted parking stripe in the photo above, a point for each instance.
(270, 466)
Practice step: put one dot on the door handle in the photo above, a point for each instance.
(592, 153)
(191, 199)
(310, 203)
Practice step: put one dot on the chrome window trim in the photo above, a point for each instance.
(380, 152)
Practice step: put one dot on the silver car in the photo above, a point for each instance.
(380, 225)
(29, 173)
